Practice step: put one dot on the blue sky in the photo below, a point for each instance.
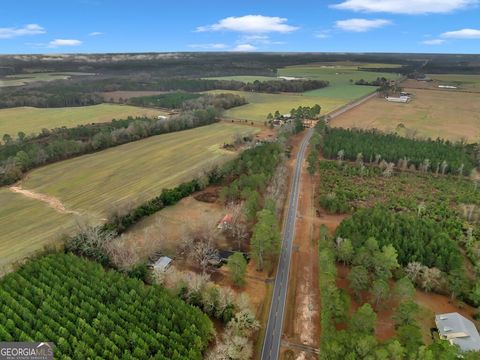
(54, 26)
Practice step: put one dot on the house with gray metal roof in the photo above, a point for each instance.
(458, 330)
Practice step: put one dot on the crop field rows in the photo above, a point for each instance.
(93, 184)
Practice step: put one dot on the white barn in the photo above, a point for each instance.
(402, 99)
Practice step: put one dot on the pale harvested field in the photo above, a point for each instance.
(23, 79)
(27, 225)
(133, 172)
(33, 120)
(445, 114)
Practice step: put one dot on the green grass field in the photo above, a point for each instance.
(33, 120)
(260, 104)
(467, 82)
(339, 77)
(246, 79)
(23, 79)
(92, 184)
(27, 225)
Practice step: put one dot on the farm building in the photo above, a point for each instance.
(401, 99)
(458, 330)
(447, 87)
(162, 117)
(162, 264)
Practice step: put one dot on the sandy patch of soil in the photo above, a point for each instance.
(51, 201)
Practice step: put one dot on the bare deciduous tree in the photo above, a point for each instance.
(237, 229)
(199, 244)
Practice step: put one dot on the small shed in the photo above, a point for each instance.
(162, 264)
(458, 330)
(162, 117)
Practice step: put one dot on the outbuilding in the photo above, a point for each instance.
(458, 330)
(162, 264)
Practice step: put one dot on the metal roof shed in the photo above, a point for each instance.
(162, 263)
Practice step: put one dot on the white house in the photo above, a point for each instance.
(162, 117)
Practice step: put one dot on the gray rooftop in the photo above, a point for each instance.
(459, 330)
(162, 263)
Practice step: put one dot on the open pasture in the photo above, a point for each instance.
(33, 120)
(260, 104)
(341, 76)
(133, 172)
(444, 114)
(23, 79)
(464, 83)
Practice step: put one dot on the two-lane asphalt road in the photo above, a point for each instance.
(273, 333)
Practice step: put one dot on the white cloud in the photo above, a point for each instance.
(30, 29)
(255, 24)
(433, 42)
(361, 25)
(213, 46)
(323, 34)
(462, 34)
(95, 33)
(244, 47)
(405, 6)
(64, 42)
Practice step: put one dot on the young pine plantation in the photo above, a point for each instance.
(412, 223)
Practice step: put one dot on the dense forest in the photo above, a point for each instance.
(371, 146)
(26, 152)
(89, 312)
(171, 100)
(416, 239)
(200, 64)
(81, 91)
(347, 335)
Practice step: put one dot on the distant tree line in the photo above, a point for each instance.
(276, 86)
(379, 81)
(171, 100)
(26, 152)
(15, 97)
(82, 92)
(371, 146)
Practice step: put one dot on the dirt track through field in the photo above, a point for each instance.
(51, 201)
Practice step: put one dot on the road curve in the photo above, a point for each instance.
(273, 332)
